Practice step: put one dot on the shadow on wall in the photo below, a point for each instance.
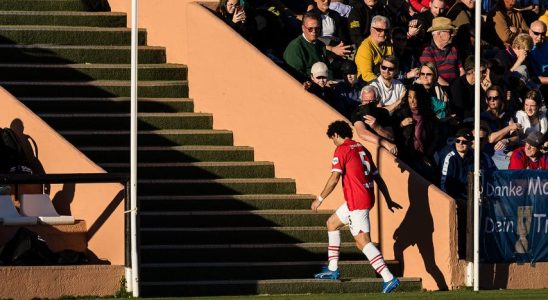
(417, 227)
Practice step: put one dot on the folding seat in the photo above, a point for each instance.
(9, 214)
(39, 205)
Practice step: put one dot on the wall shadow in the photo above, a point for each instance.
(417, 227)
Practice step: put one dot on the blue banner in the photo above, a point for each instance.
(513, 216)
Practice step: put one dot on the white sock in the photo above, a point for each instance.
(377, 261)
(333, 249)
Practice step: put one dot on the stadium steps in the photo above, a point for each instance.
(213, 221)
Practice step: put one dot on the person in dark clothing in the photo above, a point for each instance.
(462, 93)
(239, 17)
(334, 29)
(347, 92)
(318, 86)
(418, 132)
(359, 19)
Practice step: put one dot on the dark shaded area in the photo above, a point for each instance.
(417, 227)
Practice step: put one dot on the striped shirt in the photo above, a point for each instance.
(446, 61)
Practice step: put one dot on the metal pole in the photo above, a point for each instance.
(133, 149)
(477, 87)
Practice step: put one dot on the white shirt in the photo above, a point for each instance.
(389, 95)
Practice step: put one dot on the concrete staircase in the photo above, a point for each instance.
(212, 220)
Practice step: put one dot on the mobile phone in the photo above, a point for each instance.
(238, 9)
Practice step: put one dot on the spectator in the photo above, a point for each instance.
(420, 5)
(463, 92)
(514, 56)
(507, 21)
(462, 12)
(347, 92)
(408, 65)
(454, 179)
(333, 28)
(530, 156)
(442, 53)
(306, 49)
(340, 7)
(503, 129)
(239, 17)
(373, 49)
(438, 98)
(391, 91)
(417, 135)
(531, 118)
(360, 17)
(436, 9)
(397, 11)
(318, 84)
(539, 55)
(372, 123)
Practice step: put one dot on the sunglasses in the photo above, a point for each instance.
(312, 29)
(463, 142)
(493, 98)
(426, 74)
(379, 30)
(389, 69)
(538, 33)
(321, 77)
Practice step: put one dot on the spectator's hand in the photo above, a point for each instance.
(341, 49)
(315, 205)
(332, 83)
(239, 17)
(391, 205)
(485, 83)
(522, 55)
(307, 84)
(392, 148)
(407, 121)
(536, 9)
(500, 145)
(513, 126)
(414, 27)
(370, 120)
(414, 73)
(513, 29)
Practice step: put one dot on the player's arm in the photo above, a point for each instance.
(329, 187)
(384, 190)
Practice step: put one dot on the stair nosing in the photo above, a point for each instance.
(274, 281)
(63, 12)
(46, 28)
(251, 264)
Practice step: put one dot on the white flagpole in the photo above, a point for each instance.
(133, 149)
(477, 86)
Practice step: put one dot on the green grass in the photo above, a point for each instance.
(458, 294)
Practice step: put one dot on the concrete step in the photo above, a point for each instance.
(225, 202)
(66, 54)
(121, 121)
(63, 18)
(44, 5)
(87, 72)
(196, 170)
(259, 252)
(236, 235)
(116, 138)
(244, 218)
(149, 187)
(97, 88)
(250, 270)
(106, 105)
(270, 287)
(68, 35)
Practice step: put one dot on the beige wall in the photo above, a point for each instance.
(90, 200)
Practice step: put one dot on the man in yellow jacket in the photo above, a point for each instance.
(374, 48)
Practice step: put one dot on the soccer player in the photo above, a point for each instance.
(354, 163)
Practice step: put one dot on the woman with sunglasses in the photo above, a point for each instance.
(532, 118)
(428, 78)
(504, 131)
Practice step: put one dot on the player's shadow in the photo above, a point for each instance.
(417, 227)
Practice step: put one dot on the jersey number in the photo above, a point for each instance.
(365, 163)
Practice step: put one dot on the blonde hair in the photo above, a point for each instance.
(523, 42)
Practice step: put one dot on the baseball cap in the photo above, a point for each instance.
(465, 133)
(319, 69)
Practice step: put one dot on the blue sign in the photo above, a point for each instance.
(513, 216)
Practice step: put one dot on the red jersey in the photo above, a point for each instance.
(520, 161)
(354, 162)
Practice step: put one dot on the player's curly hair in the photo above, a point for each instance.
(341, 128)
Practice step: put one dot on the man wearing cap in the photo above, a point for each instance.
(454, 178)
(318, 83)
(442, 53)
(530, 156)
(347, 92)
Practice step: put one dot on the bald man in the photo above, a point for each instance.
(539, 55)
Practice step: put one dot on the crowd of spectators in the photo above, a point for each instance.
(403, 72)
